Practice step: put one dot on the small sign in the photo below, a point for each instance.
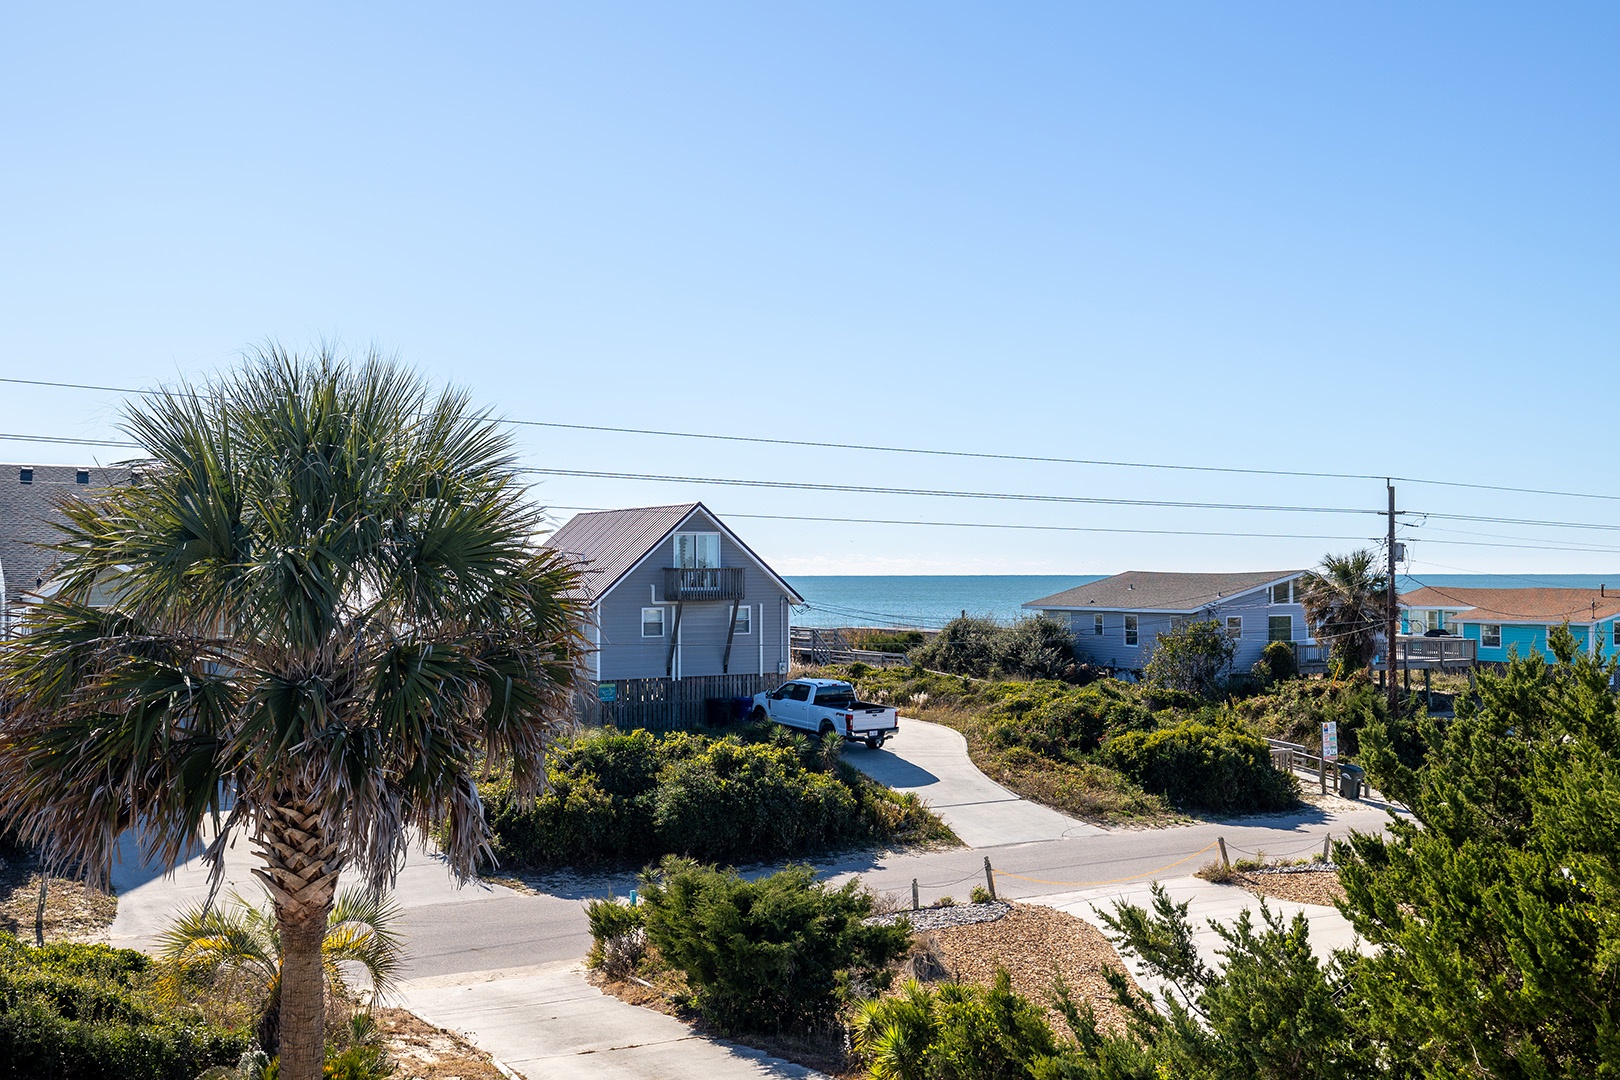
(1330, 740)
(607, 693)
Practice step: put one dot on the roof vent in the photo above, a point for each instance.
(25, 476)
(82, 476)
(1130, 588)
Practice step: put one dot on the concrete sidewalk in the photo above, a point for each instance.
(931, 761)
(1222, 903)
(548, 1022)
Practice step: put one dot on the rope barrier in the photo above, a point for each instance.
(1312, 846)
(1112, 881)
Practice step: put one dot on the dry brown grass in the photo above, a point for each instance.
(73, 911)
(425, 1052)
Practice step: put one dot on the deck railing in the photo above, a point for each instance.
(703, 583)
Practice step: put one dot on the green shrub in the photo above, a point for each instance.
(759, 793)
(765, 955)
(1194, 659)
(86, 1012)
(1278, 662)
(889, 641)
(1295, 711)
(953, 1032)
(979, 895)
(1032, 648)
(1198, 765)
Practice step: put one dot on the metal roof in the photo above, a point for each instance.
(1148, 590)
(607, 544)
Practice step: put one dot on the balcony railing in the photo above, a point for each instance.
(703, 583)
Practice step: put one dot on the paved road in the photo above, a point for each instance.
(931, 760)
(504, 964)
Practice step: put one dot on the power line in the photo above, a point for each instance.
(935, 452)
(798, 485)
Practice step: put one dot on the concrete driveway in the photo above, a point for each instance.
(931, 760)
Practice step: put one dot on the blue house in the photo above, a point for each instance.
(1508, 621)
(674, 594)
(1117, 620)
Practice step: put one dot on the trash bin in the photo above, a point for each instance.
(1350, 781)
(741, 707)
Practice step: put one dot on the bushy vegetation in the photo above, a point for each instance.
(1033, 648)
(87, 1012)
(953, 1031)
(760, 793)
(775, 954)
(1193, 659)
(1278, 663)
(1216, 767)
(889, 641)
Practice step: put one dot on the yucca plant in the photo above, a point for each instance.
(316, 614)
(237, 949)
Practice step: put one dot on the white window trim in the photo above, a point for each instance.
(1293, 593)
(1483, 627)
(743, 622)
(719, 545)
(1133, 629)
(663, 623)
(1290, 636)
(1238, 620)
(1097, 625)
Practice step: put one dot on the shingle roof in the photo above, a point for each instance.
(1531, 605)
(609, 543)
(26, 515)
(1449, 598)
(1147, 590)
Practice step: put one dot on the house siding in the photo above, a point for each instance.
(1528, 639)
(1109, 649)
(625, 654)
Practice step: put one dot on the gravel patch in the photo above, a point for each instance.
(1302, 884)
(932, 918)
(1036, 944)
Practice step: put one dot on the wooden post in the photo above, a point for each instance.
(1428, 688)
(913, 894)
(989, 878)
(39, 912)
(1321, 771)
(1327, 847)
(1221, 840)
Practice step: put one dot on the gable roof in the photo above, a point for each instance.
(1448, 598)
(1532, 605)
(1148, 590)
(27, 516)
(608, 544)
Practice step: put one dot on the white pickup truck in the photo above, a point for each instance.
(827, 705)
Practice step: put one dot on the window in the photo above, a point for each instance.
(1179, 623)
(82, 476)
(1097, 625)
(744, 622)
(797, 691)
(1283, 592)
(1130, 630)
(1490, 635)
(1437, 620)
(25, 476)
(1234, 626)
(697, 550)
(1415, 623)
(652, 622)
(1280, 628)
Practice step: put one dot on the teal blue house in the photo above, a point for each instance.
(1509, 621)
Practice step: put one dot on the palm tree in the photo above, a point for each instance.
(317, 614)
(240, 944)
(1345, 601)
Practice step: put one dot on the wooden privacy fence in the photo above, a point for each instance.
(664, 704)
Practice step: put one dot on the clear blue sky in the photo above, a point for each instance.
(1350, 238)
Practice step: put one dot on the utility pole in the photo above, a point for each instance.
(1392, 612)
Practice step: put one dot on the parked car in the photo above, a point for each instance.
(827, 705)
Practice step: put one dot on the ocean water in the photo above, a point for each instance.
(930, 601)
(924, 601)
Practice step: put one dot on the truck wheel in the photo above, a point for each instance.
(760, 715)
(874, 742)
(826, 728)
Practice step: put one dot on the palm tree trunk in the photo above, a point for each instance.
(301, 872)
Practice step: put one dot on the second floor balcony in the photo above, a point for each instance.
(703, 583)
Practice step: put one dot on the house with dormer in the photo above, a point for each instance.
(675, 594)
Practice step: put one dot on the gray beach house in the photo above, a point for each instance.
(1116, 621)
(29, 498)
(675, 594)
